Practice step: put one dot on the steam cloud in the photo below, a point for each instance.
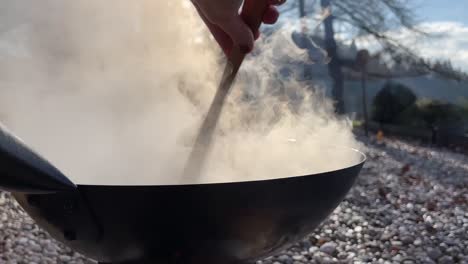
(113, 92)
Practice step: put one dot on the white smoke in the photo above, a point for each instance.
(112, 92)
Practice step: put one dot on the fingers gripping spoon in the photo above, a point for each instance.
(252, 13)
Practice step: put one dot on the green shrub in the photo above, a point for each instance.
(429, 113)
(436, 112)
(463, 102)
(411, 117)
(391, 101)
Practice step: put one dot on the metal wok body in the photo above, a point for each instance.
(208, 223)
(241, 222)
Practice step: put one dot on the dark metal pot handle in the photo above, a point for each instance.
(23, 170)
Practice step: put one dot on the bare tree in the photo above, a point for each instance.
(375, 19)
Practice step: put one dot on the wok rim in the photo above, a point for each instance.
(363, 159)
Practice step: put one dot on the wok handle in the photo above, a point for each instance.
(23, 170)
(252, 14)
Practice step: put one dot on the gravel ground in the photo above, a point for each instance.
(410, 205)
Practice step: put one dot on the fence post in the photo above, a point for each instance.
(362, 59)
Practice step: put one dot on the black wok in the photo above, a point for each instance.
(236, 222)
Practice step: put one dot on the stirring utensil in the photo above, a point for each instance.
(252, 14)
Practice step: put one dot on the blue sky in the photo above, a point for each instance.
(451, 18)
(443, 10)
(447, 22)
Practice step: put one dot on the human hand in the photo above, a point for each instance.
(227, 26)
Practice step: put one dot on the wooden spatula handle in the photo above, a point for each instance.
(252, 13)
